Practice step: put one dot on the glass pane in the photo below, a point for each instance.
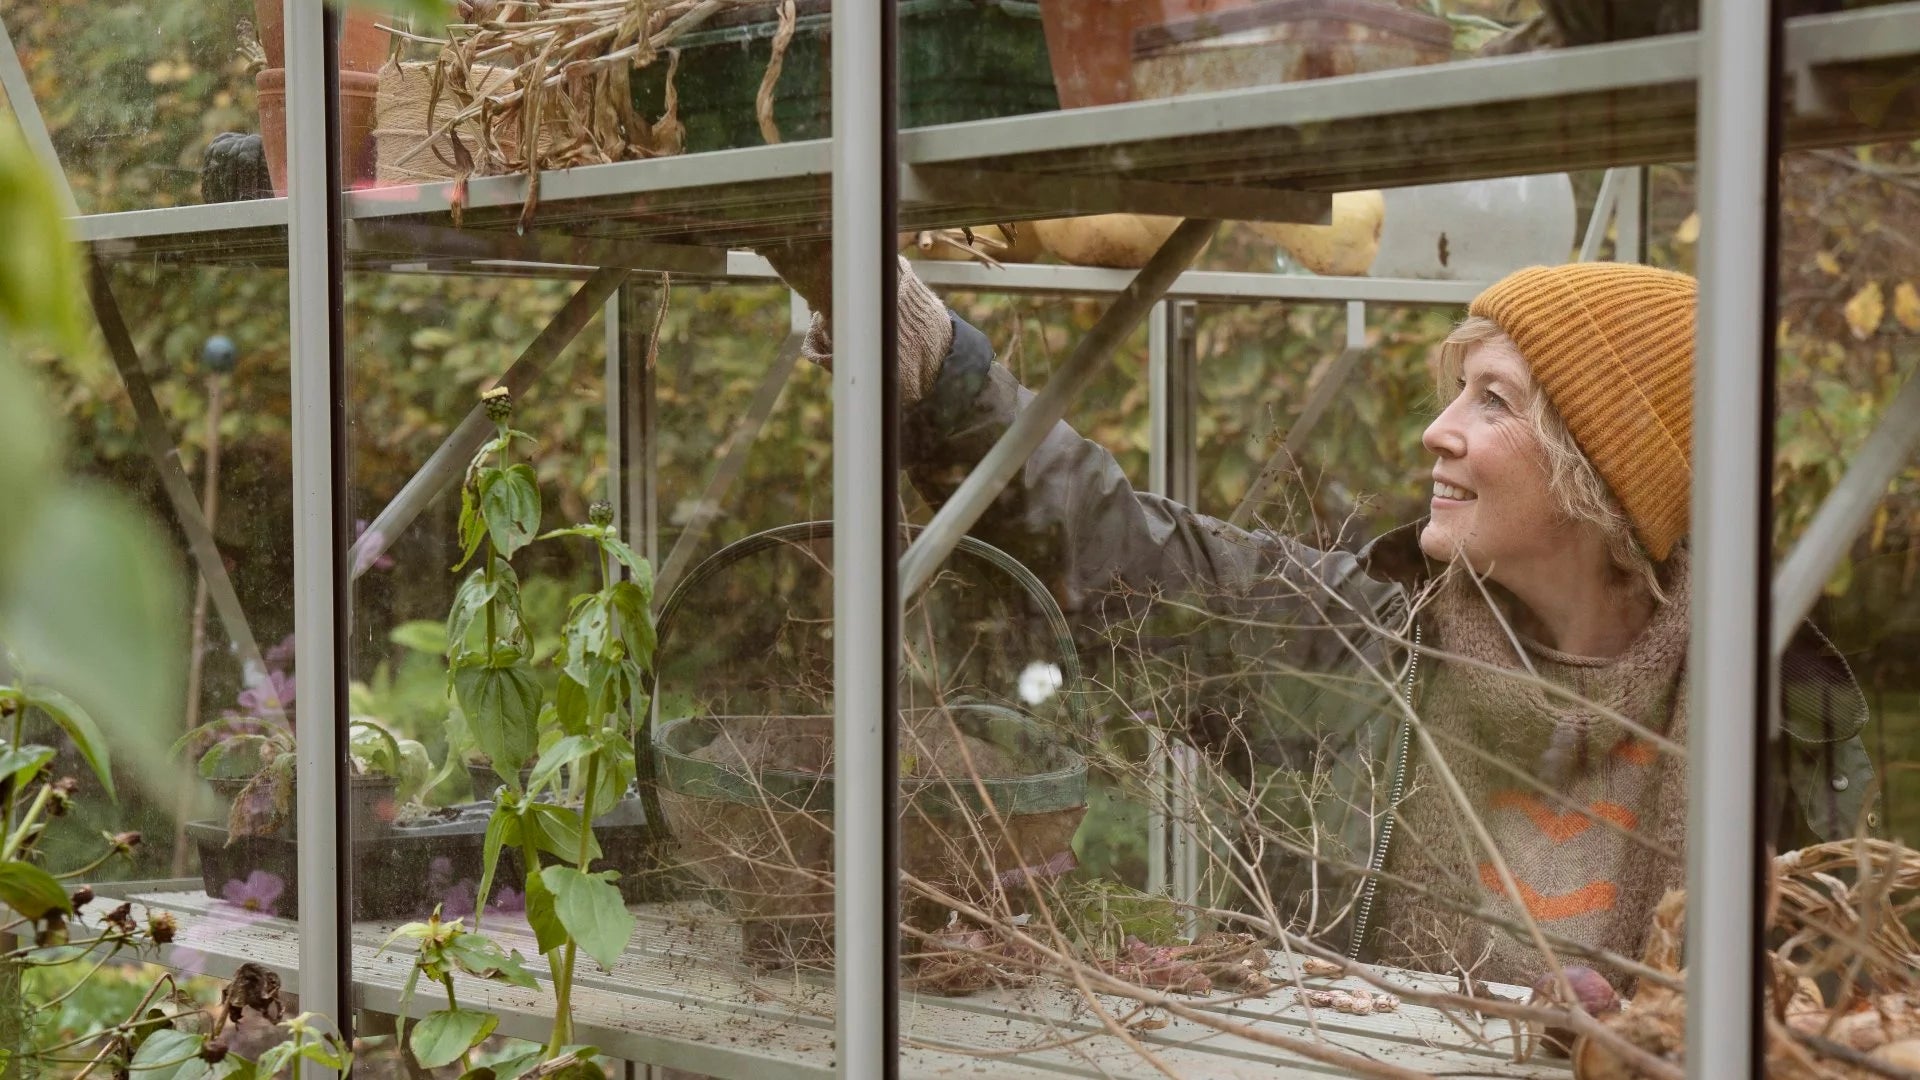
(451, 698)
(1376, 570)
(148, 608)
(1843, 543)
(555, 619)
(134, 99)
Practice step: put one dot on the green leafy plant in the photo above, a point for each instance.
(580, 744)
(452, 1034)
(257, 753)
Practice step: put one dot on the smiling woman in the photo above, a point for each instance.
(1464, 745)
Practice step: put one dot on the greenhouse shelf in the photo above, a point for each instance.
(680, 996)
(1627, 103)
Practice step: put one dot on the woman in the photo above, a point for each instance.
(1545, 600)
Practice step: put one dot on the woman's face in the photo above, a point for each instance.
(1490, 502)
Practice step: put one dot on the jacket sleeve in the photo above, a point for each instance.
(1290, 616)
(1072, 516)
(1821, 756)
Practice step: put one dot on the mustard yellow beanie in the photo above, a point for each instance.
(1612, 346)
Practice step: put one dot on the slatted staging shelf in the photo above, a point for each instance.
(1203, 155)
(680, 997)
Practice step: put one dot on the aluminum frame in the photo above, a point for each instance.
(1730, 479)
(860, 672)
(313, 339)
(1723, 486)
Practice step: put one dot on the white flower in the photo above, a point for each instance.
(1039, 682)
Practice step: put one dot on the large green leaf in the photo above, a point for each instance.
(168, 1054)
(469, 605)
(639, 570)
(503, 830)
(39, 275)
(570, 705)
(510, 504)
(616, 768)
(31, 891)
(513, 1065)
(567, 751)
(468, 612)
(587, 634)
(556, 830)
(472, 529)
(276, 1057)
(20, 764)
(480, 955)
(630, 604)
(592, 911)
(92, 607)
(79, 727)
(445, 1034)
(502, 705)
(542, 915)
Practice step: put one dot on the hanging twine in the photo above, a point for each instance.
(763, 101)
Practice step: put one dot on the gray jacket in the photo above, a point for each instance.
(1315, 705)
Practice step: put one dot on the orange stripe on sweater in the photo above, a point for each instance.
(1634, 751)
(1559, 827)
(1595, 896)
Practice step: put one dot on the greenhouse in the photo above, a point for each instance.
(996, 538)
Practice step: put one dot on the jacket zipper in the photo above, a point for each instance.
(1396, 791)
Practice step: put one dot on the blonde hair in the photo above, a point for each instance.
(1572, 480)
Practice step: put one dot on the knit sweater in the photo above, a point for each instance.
(1589, 818)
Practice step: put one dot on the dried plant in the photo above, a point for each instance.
(565, 97)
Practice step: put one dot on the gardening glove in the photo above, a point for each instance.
(926, 331)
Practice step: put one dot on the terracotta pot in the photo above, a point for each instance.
(269, 19)
(359, 92)
(363, 45)
(1090, 42)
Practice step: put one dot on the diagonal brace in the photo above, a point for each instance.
(449, 460)
(1284, 460)
(1844, 513)
(1006, 457)
(733, 459)
(166, 461)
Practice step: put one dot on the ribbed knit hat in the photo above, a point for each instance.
(1612, 346)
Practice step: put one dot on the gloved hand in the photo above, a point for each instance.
(925, 329)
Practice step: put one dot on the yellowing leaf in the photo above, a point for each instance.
(1827, 263)
(1689, 230)
(1906, 305)
(1865, 311)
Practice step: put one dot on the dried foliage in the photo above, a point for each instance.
(566, 97)
(1842, 914)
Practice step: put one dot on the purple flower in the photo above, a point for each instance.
(375, 540)
(271, 694)
(457, 902)
(259, 893)
(281, 655)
